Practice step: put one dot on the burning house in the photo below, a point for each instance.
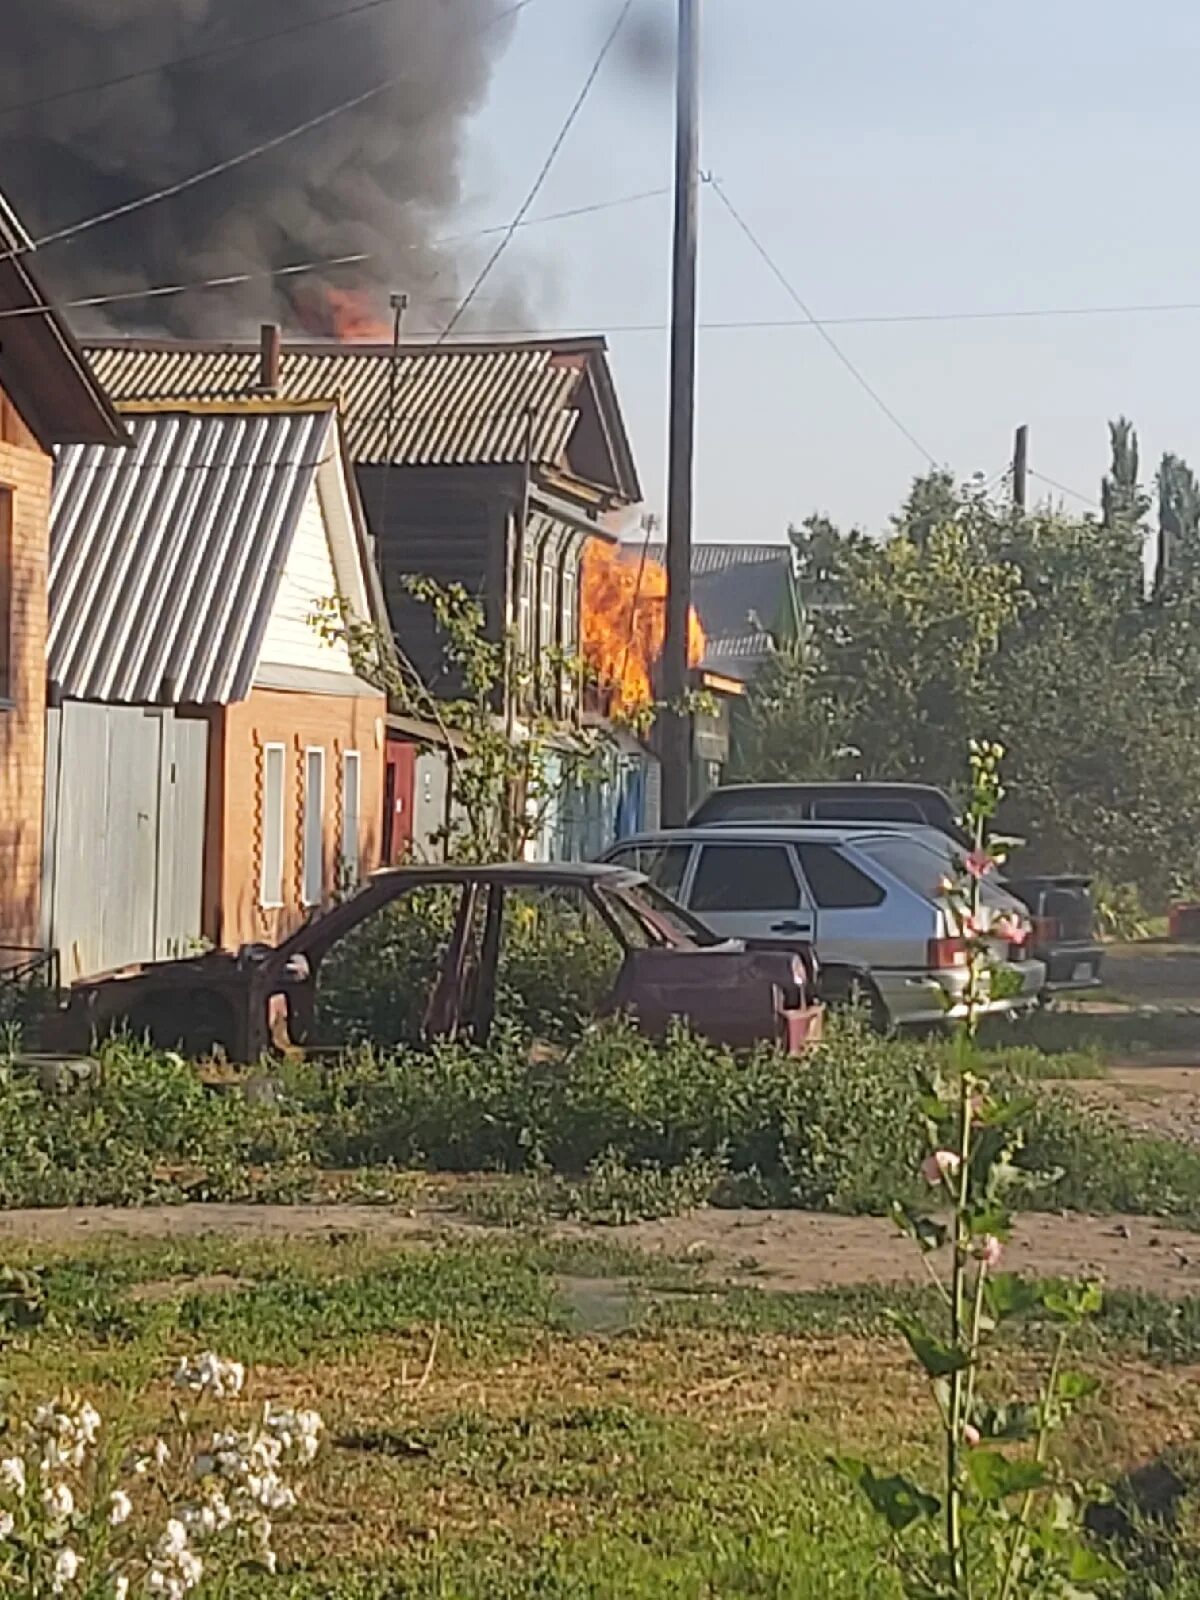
(493, 466)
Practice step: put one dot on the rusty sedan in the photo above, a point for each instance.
(665, 965)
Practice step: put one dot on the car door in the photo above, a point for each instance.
(750, 891)
(860, 925)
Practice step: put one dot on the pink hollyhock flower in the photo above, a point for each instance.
(990, 1250)
(971, 1435)
(979, 863)
(1009, 929)
(942, 1164)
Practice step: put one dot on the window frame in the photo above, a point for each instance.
(803, 900)
(351, 818)
(799, 850)
(306, 898)
(268, 750)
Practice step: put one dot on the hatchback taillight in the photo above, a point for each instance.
(946, 955)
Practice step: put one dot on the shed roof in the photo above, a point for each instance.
(741, 593)
(460, 404)
(41, 367)
(166, 559)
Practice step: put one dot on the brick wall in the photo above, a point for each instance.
(25, 470)
(335, 724)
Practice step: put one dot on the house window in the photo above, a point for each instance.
(546, 638)
(313, 869)
(6, 593)
(568, 609)
(525, 626)
(273, 778)
(351, 811)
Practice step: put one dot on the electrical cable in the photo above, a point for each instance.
(524, 209)
(858, 376)
(212, 54)
(234, 280)
(219, 168)
(1064, 488)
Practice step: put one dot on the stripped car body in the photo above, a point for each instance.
(266, 998)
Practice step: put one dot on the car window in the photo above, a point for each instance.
(745, 877)
(664, 864)
(844, 808)
(924, 866)
(836, 883)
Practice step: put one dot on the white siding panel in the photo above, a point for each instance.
(308, 578)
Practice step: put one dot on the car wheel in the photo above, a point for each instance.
(855, 993)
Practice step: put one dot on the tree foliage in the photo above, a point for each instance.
(1038, 627)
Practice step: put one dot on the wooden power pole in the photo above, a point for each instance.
(1021, 468)
(676, 743)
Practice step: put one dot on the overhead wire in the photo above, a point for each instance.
(326, 264)
(217, 169)
(1064, 488)
(794, 294)
(213, 53)
(539, 182)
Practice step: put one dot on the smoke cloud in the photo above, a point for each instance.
(382, 179)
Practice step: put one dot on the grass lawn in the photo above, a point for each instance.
(592, 1422)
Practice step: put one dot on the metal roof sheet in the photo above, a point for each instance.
(455, 406)
(738, 589)
(165, 559)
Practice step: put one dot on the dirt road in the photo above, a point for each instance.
(786, 1251)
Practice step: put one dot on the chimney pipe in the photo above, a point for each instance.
(270, 366)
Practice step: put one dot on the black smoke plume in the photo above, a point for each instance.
(383, 179)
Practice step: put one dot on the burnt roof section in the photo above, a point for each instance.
(741, 593)
(466, 403)
(42, 369)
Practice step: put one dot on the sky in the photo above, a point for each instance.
(919, 158)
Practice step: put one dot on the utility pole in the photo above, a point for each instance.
(676, 743)
(1021, 469)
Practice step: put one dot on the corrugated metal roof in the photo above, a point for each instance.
(738, 655)
(455, 406)
(738, 589)
(165, 559)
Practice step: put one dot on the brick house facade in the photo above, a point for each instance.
(48, 397)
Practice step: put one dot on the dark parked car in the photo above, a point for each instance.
(1064, 930)
(664, 965)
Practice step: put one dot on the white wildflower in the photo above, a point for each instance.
(120, 1508)
(66, 1569)
(7, 1524)
(161, 1452)
(12, 1474)
(121, 1588)
(58, 1501)
(174, 1539)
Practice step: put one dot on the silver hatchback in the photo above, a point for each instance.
(867, 898)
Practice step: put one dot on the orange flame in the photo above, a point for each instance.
(624, 624)
(348, 315)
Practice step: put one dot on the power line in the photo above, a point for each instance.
(200, 56)
(1064, 488)
(778, 273)
(228, 165)
(539, 181)
(328, 264)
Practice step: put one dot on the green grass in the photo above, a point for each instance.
(683, 1454)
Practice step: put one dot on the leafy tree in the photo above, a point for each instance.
(1178, 522)
(1124, 502)
(1037, 627)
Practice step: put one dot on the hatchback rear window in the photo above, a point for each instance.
(836, 883)
(920, 867)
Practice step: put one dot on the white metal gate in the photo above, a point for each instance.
(126, 795)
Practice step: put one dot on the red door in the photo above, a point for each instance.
(398, 785)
